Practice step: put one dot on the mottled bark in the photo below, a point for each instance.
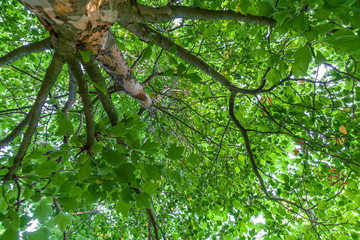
(89, 22)
(112, 60)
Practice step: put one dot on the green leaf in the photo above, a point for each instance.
(355, 19)
(84, 171)
(173, 50)
(346, 41)
(302, 60)
(86, 55)
(150, 147)
(193, 159)
(114, 158)
(117, 131)
(43, 211)
(63, 123)
(122, 207)
(176, 176)
(147, 52)
(62, 220)
(300, 22)
(10, 234)
(47, 168)
(320, 58)
(143, 200)
(243, 6)
(101, 87)
(41, 234)
(150, 187)
(273, 76)
(237, 205)
(175, 152)
(194, 78)
(265, 8)
(196, 3)
(125, 175)
(151, 171)
(322, 204)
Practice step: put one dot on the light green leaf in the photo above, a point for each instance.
(62, 220)
(150, 187)
(122, 207)
(43, 211)
(143, 200)
(41, 234)
(10, 234)
(84, 171)
(302, 59)
(63, 123)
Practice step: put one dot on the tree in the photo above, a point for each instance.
(239, 119)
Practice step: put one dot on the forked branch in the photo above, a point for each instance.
(147, 34)
(251, 154)
(51, 75)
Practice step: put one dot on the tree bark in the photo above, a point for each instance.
(51, 75)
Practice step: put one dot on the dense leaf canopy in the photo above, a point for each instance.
(231, 119)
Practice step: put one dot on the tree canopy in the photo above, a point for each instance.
(181, 119)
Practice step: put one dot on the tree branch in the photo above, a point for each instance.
(251, 154)
(151, 216)
(72, 93)
(111, 59)
(146, 34)
(96, 76)
(167, 13)
(25, 50)
(86, 99)
(16, 132)
(51, 75)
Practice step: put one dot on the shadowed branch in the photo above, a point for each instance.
(86, 99)
(51, 75)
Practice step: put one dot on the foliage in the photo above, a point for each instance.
(187, 154)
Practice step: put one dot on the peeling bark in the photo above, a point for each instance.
(89, 22)
(114, 63)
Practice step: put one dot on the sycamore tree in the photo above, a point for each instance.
(185, 119)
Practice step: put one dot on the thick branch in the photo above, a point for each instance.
(112, 60)
(167, 13)
(96, 76)
(51, 75)
(146, 34)
(86, 99)
(25, 50)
